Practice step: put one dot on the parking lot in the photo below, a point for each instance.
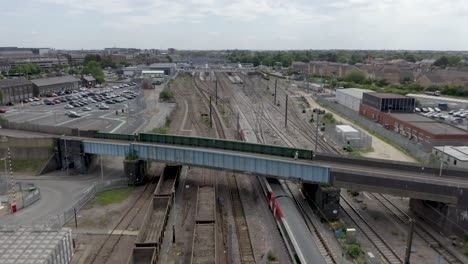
(111, 109)
(457, 118)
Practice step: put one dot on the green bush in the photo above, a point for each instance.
(271, 256)
(166, 95)
(354, 250)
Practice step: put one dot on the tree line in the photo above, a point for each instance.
(285, 58)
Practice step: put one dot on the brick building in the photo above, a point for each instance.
(16, 90)
(55, 84)
(395, 112)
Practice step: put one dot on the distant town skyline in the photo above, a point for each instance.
(244, 24)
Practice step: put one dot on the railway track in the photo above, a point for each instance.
(418, 229)
(107, 247)
(377, 241)
(243, 236)
(322, 244)
(216, 118)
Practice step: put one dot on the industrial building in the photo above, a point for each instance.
(453, 156)
(168, 68)
(351, 97)
(36, 245)
(55, 84)
(388, 102)
(16, 90)
(88, 81)
(395, 112)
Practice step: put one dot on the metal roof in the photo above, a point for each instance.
(428, 124)
(5, 83)
(354, 92)
(438, 98)
(89, 78)
(54, 80)
(388, 95)
(162, 65)
(152, 72)
(458, 152)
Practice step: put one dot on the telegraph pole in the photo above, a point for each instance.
(276, 84)
(286, 113)
(317, 131)
(238, 125)
(216, 92)
(211, 123)
(409, 242)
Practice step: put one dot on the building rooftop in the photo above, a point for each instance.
(438, 98)
(355, 92)
(89, 78)
(458, 152)
(163, 65)
(4, 83)
(54, 80)
(31, 245)
(346, 128)
(152, 72)
(388, 95)
(428, 124)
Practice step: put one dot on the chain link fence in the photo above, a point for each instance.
(417, 148)
(360, 141)
(57, 221)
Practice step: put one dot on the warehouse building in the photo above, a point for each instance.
(388, 102)
(168, 68)
(351, 97)
(453, 156)
(395, 112)
(36, 245)
(55, 84)
(16, 90)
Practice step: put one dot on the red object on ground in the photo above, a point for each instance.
(13, 208)
(3, 111)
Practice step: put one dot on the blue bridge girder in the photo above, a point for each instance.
(244, 163)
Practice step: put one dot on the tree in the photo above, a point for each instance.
(169, 58)
(92, 57)
(106, 61)
(95, 69)
(356, 77)
(441, 62)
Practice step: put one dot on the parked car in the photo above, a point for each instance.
(3, 111)
(418, 110)
(437, 110)
(86, 109)
(425, 110)
(103, 107)
(69, 106)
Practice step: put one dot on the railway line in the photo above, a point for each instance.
(424, 234)
(107, 248)
(242, 230)
(387, 253)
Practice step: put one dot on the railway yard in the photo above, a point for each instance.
(198, 215)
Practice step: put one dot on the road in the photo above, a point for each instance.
(57, 194)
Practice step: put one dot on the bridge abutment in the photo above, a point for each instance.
(450, 219)
(135, 170)
(325, 199)
(72, 156)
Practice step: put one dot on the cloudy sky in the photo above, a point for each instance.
(241, 24)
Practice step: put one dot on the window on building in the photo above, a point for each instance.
(454, 162)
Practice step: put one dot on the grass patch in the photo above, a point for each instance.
(113, 196)
(162, 130)
(220, 108)
(271, 256)
(27, 165)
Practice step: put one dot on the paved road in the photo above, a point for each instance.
(57, 193)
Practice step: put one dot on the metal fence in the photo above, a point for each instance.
(361, 141)
(57, 221)
(419, 149)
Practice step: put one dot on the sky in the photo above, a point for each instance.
(236, 24)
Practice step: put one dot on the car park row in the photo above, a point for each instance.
(85, 98)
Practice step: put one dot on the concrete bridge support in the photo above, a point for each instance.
(450, 219)
(72, 157)
(135, 170)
